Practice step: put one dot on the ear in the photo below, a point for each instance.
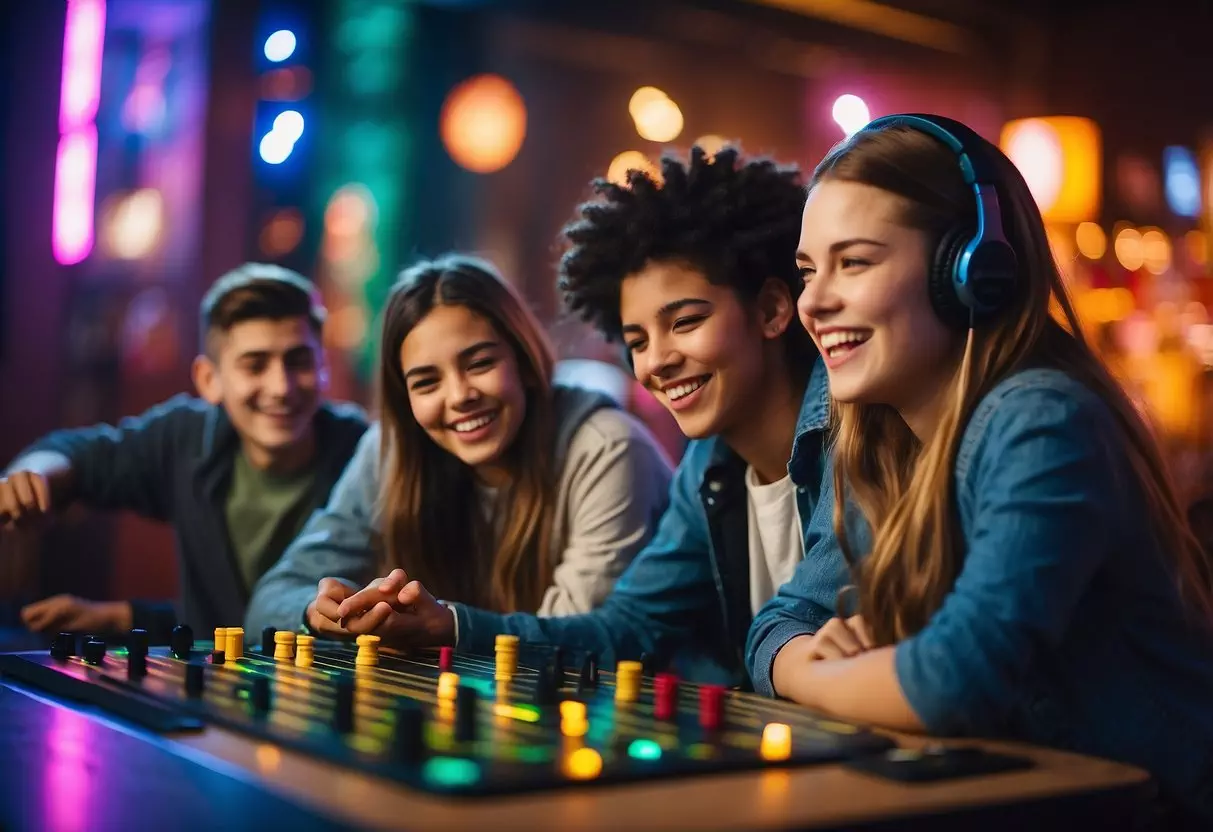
(206, 379)
(776, 308)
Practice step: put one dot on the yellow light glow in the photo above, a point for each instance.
(1128, 249)
(448, 683)
(776, 741)
(642, 98)
(483, 123)
(1155, 251)
(1061, 159)
(269, 758)
(659, 120)
(572, 709)
(1091, 240)
(583, 764)
(516, 712)
(630, 160)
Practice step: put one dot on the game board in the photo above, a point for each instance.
(487, 736)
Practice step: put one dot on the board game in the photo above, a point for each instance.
(442, 721)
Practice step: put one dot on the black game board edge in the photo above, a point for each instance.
(144, 711)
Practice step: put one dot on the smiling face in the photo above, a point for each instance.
(464, 387)
(865, 300)
(695, 346)
(269, 376)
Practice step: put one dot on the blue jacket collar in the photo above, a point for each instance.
(814, 419)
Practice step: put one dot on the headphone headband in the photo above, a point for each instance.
(975, 271)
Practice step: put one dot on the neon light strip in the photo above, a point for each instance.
(72, 232)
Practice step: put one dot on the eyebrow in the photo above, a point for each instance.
(669, 309)
(464, 355)
(844, 244)
(257, 355)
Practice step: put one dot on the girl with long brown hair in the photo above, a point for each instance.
(482, 478)
(1021, 564)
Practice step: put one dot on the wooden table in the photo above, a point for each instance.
(67, 769)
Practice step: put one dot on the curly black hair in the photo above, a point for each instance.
(735, 219)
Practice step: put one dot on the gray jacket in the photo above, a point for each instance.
(612, 489)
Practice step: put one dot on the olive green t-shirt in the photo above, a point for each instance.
(264, 513)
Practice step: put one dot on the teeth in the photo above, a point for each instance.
(472, 424)
(678, 391)
(840, 337)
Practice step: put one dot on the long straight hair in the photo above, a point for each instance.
(905, 488)
(433, 526)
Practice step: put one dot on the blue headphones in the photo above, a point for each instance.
(975, 272)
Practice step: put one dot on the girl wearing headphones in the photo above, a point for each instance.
(1021, 565)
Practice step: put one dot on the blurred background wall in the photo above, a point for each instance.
(150, 145)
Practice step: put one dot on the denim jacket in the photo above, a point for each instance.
(1064, 627)
(685, 599)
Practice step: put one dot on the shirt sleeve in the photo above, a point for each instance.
(127, 466)
(666, 596)
(1045, 485)
(618, 488)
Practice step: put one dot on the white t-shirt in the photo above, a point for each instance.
(776, 538)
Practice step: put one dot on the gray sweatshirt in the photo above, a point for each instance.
(612, 489)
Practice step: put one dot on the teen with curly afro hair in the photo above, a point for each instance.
(695, 273)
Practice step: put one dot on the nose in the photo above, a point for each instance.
(660, 361)
(462, 393)
(817, 301)
(279, 380)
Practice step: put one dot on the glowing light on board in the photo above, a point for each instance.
(776, 741)
(72, 226)
(583, 764)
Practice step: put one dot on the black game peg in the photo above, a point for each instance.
(136, 666)
(218, 657)
(136, 642)
(588, 678)
(181, 642)
(646, 664)
(546, 688)
(466, 701)
(343, 706)
(558, 666)
(94, 651)
(408, 733)
(267, 641)
(63, 646)
(260, 693)
(195, 681)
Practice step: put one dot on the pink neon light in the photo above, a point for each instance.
(83, 40)
(72, 230)
(75, 185)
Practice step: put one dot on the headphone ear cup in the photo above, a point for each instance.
(941, 285)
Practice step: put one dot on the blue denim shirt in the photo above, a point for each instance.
(1064, 627)
(684, 600)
